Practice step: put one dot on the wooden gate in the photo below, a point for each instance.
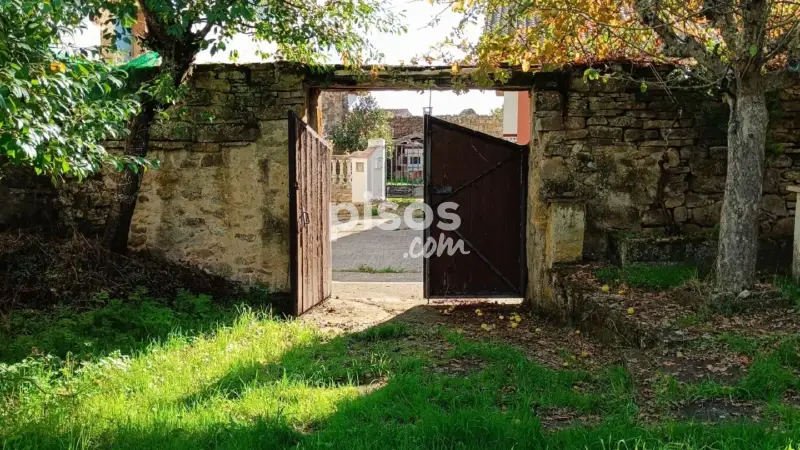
(309, 204)
(487, 178)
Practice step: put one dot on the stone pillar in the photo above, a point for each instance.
(796, 243)
(537, 292)
(556, 214)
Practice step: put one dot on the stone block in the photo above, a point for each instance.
(551, 137)
(680, 214)
(783, 228)
(625, 122)
(172, 131)
(707, 216)
(559, 149)
(708, 184)
(633, 135)
(607, 112)
(597, 121)
(655, 143)
(559, 123)
(566, 225)
(548, 101)
(554, 170)
(644, 114)
(673, 157)
(212, 85)
(718, 152)
(212, 160)
(675, 200)
(193, 222)
(702, 167)
(232, 73)
(780, 161)
(649, 124)
(206, 148)
(604, 132)
(224, 132)
(681, 249)
(774, 205)
(678, 133)
(653, 217)
(772, 181)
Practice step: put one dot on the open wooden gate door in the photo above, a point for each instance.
(309, 204)
(487, 178)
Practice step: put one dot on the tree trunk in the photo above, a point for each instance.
(738, 237)
(118, 221)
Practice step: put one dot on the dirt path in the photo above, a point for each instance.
(357, 306)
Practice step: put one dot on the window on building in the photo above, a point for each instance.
(415, 160)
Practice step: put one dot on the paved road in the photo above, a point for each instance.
(378, 249)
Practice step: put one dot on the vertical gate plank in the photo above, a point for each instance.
(310, 192)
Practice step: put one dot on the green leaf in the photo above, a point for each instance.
(643, 87)
(591, 74)
(753, 50)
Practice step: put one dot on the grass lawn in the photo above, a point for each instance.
(241, 379)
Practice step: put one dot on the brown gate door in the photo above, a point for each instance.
(487, 178)
(309, 203)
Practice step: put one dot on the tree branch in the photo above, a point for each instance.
(674, 44)
(789, 40)
(201, 35)
(721, 14)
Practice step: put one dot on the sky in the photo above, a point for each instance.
(419, 38)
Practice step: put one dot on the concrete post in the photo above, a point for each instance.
(796, 243)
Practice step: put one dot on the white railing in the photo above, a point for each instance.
(340, 170)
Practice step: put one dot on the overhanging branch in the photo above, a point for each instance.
(721, 14)
(787, 41)
(675, 45)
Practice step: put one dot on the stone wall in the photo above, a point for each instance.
(333, 106)
(221, 196)
(489, 124)
(220, 199)
(654, 162)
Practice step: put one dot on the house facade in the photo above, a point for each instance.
(516, 116)
(406, 162)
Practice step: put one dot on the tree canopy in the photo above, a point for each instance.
(709, 35)
(56, 103)
(363, 122)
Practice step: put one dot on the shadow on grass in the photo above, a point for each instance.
(386, 388)
(126, 325)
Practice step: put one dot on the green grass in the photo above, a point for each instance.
(256, 381)
(369, 269)
(774, 370)
(126, 324)
(653, 276)
(788, 288)
(404, 201)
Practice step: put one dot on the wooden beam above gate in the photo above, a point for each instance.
(418, 78)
